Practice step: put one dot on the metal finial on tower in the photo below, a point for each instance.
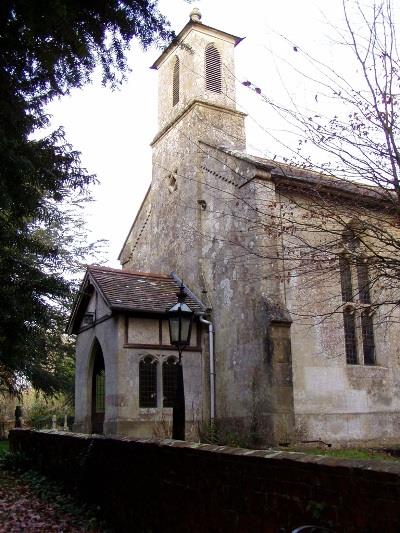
(195, 15)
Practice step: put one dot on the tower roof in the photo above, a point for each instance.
(194, 24)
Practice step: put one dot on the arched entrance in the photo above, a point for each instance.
(98, 390)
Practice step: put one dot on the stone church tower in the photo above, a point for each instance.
(196, 104)
(190, 223)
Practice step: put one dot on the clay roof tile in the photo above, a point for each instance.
(126, 290)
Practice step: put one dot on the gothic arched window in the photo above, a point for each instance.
(364, 296)
(148, 382)
(357, 309)
(98, 389)
(175, 82)
(213, 69)
(349, 322)
(169, 377)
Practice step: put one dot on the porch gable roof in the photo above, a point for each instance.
(128, 291)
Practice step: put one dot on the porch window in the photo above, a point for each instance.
(169, 378)
(157, 381)
(100, 391)
(98, 406)
(148, 382)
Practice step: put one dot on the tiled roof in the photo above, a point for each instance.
(285, 171)
(125, 290)
(181, 35)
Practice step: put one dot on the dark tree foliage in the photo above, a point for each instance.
(46, 49)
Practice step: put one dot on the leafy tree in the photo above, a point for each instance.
(45, 51)
(38, 410)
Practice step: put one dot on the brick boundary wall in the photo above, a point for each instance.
(147, 485)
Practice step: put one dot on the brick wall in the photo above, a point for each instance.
(171, 486)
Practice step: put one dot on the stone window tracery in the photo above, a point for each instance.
(357, 308)
(157, 381)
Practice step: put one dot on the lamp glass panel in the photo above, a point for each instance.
(174, 328)
(185, 329)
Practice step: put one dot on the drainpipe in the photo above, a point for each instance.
(212, 365)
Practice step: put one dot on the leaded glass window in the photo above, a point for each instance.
(100, 391)
(350, 338)
(357, 309)
(363, 282)
(345, 279)
(98, 407)
(148, 382)
(169, 376)
(368, 338)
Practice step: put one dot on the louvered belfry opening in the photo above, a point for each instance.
(175, 83)
(213, 69)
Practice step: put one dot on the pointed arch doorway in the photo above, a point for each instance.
(98, 390)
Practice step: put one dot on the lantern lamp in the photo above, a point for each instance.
(180, 318)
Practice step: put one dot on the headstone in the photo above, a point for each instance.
(54, 422)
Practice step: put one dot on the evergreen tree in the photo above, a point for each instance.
(46, 49)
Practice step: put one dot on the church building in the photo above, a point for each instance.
(287, 345)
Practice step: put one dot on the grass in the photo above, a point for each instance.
(3, 446)
(350, 453)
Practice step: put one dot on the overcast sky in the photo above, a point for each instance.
(113, 130)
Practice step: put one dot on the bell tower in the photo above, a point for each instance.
(196, 109)
(196, 74)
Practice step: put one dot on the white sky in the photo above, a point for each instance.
(113, 130)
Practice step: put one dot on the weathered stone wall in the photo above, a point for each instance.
(231, 247)
(238, 282)
(206, 229)
(165, 233)
(172, 486)
(108, 335)
(334, 401)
